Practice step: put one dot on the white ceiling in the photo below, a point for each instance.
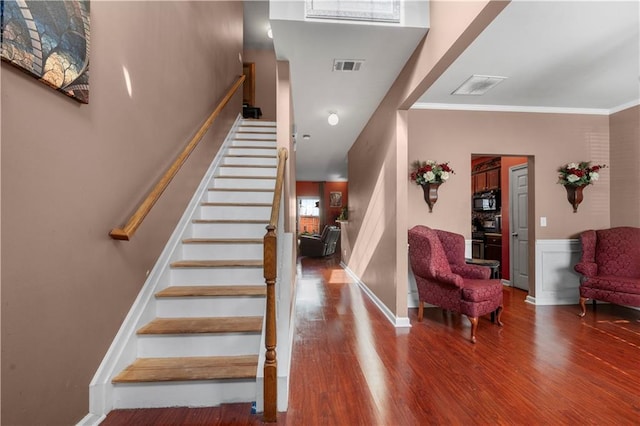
(574, 56)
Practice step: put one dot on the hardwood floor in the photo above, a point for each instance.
(351, 367)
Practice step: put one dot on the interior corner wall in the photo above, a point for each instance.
(71, 172)
(284, 132)
(265, 61)
(625, 173)
(373, 232)
(552, 139)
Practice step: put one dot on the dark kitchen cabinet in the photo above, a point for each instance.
(485, 181)
(493, 247)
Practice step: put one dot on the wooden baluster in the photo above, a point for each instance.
(270, 275)
(271, 363)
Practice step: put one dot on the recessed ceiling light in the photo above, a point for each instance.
(306, 137)
(333, 119)
(269, 33)
(478, 85)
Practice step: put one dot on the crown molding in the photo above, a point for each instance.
(511, 108)
(624, 106)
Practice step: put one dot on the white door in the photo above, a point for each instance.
(519, 226)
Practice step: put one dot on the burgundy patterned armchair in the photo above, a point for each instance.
(444, 280)
(610, 266)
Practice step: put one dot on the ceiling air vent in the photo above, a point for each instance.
(478, 85)
(347, 65)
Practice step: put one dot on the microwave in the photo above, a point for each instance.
(486, 202)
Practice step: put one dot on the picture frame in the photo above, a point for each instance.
(335, 199)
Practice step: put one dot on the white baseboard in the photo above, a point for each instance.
(398, 322)
(91, 420)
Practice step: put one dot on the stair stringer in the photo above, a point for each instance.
(123, 349)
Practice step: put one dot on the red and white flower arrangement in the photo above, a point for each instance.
(579, 174)
(430, 172)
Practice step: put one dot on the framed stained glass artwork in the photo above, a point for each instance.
(50, 41)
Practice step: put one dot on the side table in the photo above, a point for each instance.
(493, 264)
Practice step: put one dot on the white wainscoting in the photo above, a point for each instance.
(556, 281)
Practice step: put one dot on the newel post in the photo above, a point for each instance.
(271, 363)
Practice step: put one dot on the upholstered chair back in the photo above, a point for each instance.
(426, 254)
(453, 245)
(617, 251)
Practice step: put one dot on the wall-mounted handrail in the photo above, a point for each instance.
(270, 275)
(126, 232)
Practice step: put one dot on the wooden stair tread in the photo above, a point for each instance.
(217, 263)
(254, 147)
(222, 241)
(189, 368)
(241, 189)
(259, 166)
(201, 325)
(227, 204)
(256, 221)
(245, 177)
(250, 156)
(212, 291)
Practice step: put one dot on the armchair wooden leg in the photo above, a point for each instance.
(474, 327)
(583, 301)
(499, 314)
(420, 310)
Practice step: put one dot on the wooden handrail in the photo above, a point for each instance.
(270, 275)
(136, 219)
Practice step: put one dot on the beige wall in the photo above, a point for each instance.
(265, 61)
(376, 241)
(551, 139)
(72, 172)
(625, 173)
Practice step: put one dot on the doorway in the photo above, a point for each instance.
(491, 226)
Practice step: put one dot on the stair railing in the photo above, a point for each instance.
(126, 232)
(270, 275)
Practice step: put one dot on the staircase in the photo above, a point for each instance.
(198, 340)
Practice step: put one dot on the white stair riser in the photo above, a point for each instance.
(239, 197)
(177, 307)
(231, 183)
(229, 230)
(227, 344)
(212, 276)
(222, 251)
(257, 129)
(248, 171)
(235, 212)
(183, 394)
(269, 152)
(254, 144)
(250, 161)
(249, 122)
(255, 135)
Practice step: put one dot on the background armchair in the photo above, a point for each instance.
(466, 291)
(610, 266)
(319, 246)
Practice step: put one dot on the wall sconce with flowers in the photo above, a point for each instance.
(430, 175)
(575, 176)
